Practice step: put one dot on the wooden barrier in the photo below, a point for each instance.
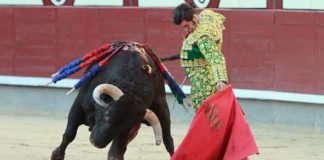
(265, 49)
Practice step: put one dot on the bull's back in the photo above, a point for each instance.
(127, 71)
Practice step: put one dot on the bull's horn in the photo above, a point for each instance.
(155, 123)
(109, 89)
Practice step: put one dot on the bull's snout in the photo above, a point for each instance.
(97, 143)
(100, 136)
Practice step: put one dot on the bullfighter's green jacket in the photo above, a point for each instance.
(201, 56)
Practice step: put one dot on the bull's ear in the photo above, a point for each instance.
(147, 68)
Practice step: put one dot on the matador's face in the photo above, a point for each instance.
(190, 26)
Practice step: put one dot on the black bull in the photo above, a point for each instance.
(129, 90)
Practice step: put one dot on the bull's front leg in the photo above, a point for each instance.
(75, 119)
(160, 108)
(118, 147)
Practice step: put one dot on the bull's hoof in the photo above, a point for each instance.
(57, 154)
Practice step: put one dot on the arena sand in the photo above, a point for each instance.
(34, 138)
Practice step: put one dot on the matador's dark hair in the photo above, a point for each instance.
(182, 12)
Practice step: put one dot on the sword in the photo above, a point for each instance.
(170, 58)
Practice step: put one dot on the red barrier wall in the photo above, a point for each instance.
(265, 49)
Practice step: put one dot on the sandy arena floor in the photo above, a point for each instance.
(33, 138)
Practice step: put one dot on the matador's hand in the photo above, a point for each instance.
(220, 85)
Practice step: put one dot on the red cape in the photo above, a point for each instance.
(233, 140)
